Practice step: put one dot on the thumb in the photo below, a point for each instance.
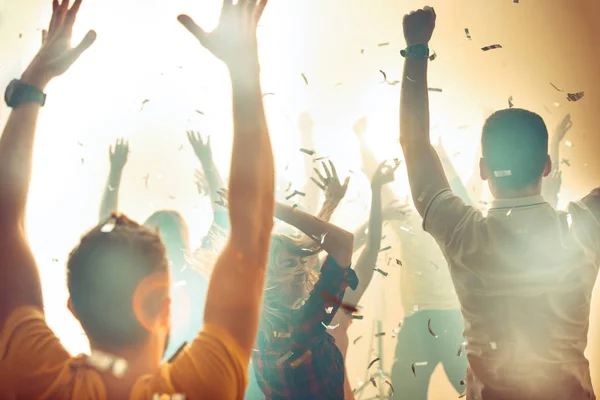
(346, 182)
(191, 26)
(77, 51)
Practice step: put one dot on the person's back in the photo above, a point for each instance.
(524, 274)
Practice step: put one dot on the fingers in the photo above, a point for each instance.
(321, 177)
(58, 17)
(73, 54)
(346, 182)
(70, 17)
(321, 186)
(327, 173)
(259, 9)
(333, 170)
(193, 28)
(207, 143)
(190, 136)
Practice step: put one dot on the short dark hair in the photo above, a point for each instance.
(514, 143)
(103, 272)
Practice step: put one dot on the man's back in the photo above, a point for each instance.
(524, 276)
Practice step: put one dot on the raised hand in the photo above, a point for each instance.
(234, 39)
(419, 26)
(384, 174)
(56, 54)
(330, 183)
(118, 155)
(201, 147)
(561, 130)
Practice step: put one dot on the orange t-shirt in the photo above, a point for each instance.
(35, 365)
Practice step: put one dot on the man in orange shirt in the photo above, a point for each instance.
(118, 274)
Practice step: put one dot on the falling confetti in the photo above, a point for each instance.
(333, 300)
(385, 249)
(80, 144)
(305, 79)
(268, 94)
(144, 103)
(329, 310)
(320, 159)
(108, 227)
(509, 213)
(329, 327)
(356, 340)
(296, 193)
(516, 1)
(146, 179)
(373, 362)
(460, 349)
(391, 393)
(394, 83)
(468, 33)
(301, 359)
(384, 76)
(380, 334)
(20, 35)
(493, 345)
(414, 371)
(373, 381)
(566, 162)
(381, 272)
(338, 84)
(556, 87)
(288, 187)
(309, 152)
(199, 112)
(569, 143)
(352, 316)
(284, 358)
(179, 350)
(491, 47)
(510, 102)
(575, 96)
(430, 330)
(433, 56)
(398, 262)
(383, 44)
(435, 90)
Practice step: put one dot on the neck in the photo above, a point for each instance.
(140, 361)
(514, 194)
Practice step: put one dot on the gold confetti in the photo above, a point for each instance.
(430, 330)
(373, 362)
(305, 79)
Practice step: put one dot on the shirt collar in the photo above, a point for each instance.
(518, 202)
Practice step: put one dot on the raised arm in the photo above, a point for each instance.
(306, 127)
(118, 158)
(425, 172)
(453, 179)
(552, 183)
(365, 266)
(395, 211)
(334, 190)
(336, 241)
(235, 289)
(19, 276)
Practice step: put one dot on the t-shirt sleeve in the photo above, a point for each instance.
(213, 366)
(32, 356)
(447, 219)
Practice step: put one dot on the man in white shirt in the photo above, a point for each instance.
(524, 274)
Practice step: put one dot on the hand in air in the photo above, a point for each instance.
(561, 130)
(384, 174)
(118, 155)
(234, 39)
(395, 211)
(201, 147)
(419, 26)
(56, 54)
(330, 183)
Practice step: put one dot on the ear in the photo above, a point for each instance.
(484, 172)
(548, 166)
(164, 315)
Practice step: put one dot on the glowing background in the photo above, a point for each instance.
(142, 53)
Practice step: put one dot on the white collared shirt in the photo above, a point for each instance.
(524, 276)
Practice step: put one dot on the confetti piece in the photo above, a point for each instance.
(373, 381)
(144, 103)
(320, 159)
(384, 76)
(380, 334)
(146, 179)
(20, 35)
(566, 162)
(329, 310)
(80, 144)
(568, 143)
(309, 152)
(556, 87)
(383, 44)
(394, 83)
(421, 364)
(575, 96)
(111, 189)
(414, 371)
(491, 47)
(430, 330)
(329, 327)
(435, 90)
(268, 94)
(338, 84)
(301, 359)
(55, 260)
(385, 249)
(296, 193)
(433, 56)
(493, 345)
(460, 349)
(398, 262)
(391, 393)
(179, 350)
(352, 316)
(356, 340)
(510, 102)
(465, 393)
(108, 227)
(199, 112)
(468, 33)
(381, 272)
(282, 334)
(333, 300)
(410, 79)
(305, 79)
(462, 383)
(284, 358)
(373, 362)
(516, 1)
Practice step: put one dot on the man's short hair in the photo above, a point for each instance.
(515, 148)
(104, 271)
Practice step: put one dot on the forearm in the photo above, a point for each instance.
(365, 266)
(370, 165)
(360, 236)
(336, 241)
(555, 154)
(327, 210)
(110, 198)
(425, 171)
(16, 156)
(215, 183)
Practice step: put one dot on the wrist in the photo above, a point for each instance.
(244, 69)
(35, 79)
